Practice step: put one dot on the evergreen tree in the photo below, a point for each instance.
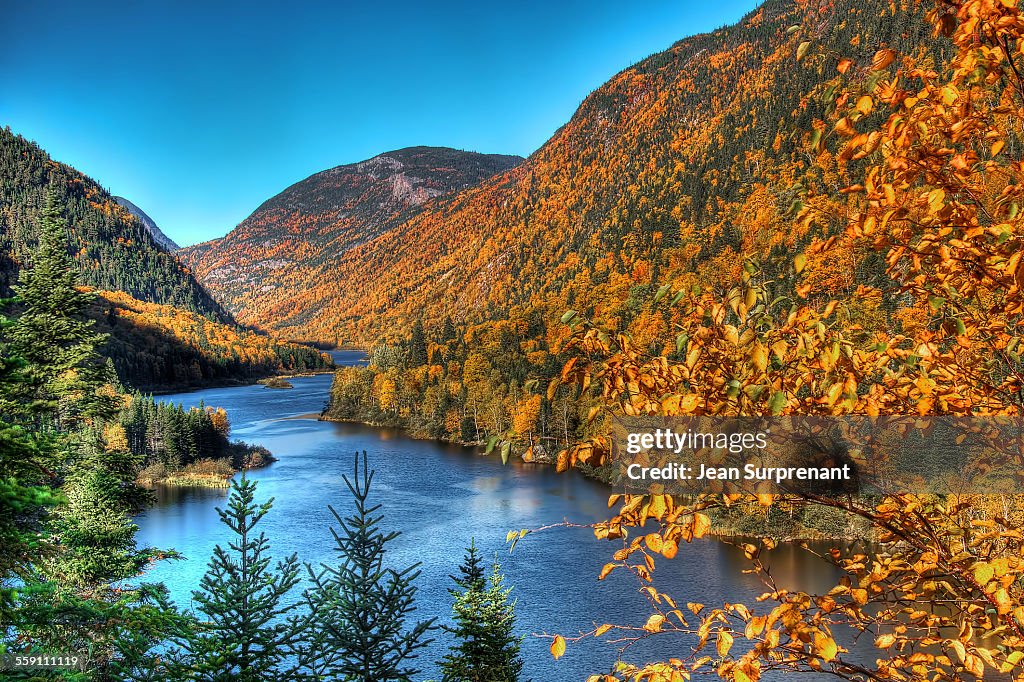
(52, 332)
(24, 495)
(250, 630)
(418, 345)
(362, 607)
(59, 400)
(447, 330)
(487, 649)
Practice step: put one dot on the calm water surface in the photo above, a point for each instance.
(441, 497)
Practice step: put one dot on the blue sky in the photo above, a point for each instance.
(199, 110)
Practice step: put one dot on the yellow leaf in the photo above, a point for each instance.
(654, 623)
(800, 262)
(724, 643)
(1004, 604)
(882, 59)
(601, 630)
(865, 104)
(759, 357)
(983, 573)
(755, 627)
(885, 641)
(701, 525)
(825, 646)
(558, 647)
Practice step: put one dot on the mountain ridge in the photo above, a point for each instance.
(158, 236)
(327, 213)
(113, 248)
(164, 329)
(678, 167)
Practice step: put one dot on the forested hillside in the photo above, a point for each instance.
(673, 174)
(160, 347)
(165, 330)
(112, 247)
(287, 242)
(678, 166)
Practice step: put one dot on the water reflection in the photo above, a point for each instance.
(440, 497)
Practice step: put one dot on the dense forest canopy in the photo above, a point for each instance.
(165, 331)
(111, 247)
(276, 250)
(677, 167)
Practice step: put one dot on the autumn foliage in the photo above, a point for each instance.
(938, 591)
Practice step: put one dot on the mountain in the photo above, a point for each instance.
(158, 236)
(113, 248)
(310, 224)
(675, 169)
(166, 331)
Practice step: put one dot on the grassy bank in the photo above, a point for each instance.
(208, 473)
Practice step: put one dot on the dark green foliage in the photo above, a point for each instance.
(167, 434)
(487, 649)
(60, 400)
(121, 631)
(364, 608)
(52, 333)
(418, 345)
(249, 630)
(24, 495)
(112, 249)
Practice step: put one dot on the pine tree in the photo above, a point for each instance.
(487, 649)
(418, 345)
(52, 332)
(24, 495)
(448, 330)
(363, 608)
(67, 597)
(249, 631)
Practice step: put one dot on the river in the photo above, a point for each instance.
(440, 497)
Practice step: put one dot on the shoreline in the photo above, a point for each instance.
(231, 383)
(594, 474)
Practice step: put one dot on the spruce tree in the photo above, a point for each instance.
(363, 608)
(448, 329)
(249, 629)
(418, 345)
(24, 495)
(52, 332)
(487, 649)
(68, 597)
